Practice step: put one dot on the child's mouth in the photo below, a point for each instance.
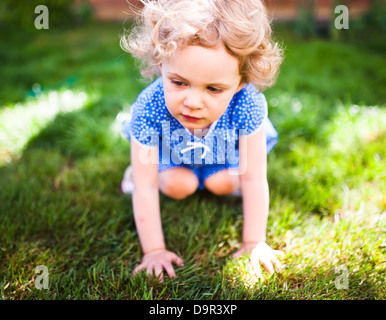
(189, 118)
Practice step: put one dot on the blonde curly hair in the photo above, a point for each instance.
(243, 26)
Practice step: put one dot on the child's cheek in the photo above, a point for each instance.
(170, 105)
(172, 100)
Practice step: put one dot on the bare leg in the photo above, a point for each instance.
(222, 183)
(178, 183)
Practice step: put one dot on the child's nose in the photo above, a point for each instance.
(193, 99)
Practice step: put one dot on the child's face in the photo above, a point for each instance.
(199, 84)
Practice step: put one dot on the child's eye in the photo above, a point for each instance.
(214, 90)
(178, 83)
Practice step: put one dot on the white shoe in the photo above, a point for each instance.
(127, 184)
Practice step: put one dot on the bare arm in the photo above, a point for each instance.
(255, 193)
(254, 186)
(146, 196)
(147, 215)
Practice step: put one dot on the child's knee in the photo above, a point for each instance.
(222, 183)
(178, 185)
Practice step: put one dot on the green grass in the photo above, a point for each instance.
(62, 160)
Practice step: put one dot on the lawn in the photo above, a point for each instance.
(62, 97)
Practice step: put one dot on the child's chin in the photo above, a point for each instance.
(198, 128)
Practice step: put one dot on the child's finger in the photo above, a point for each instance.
(158, 271)
(267, 266)
(178, 261)
(169, 270)
(149, 268)
(277, 264)
(138, 268)
(155, 270)
(255, 264)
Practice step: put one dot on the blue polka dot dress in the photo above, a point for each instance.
(215, 149)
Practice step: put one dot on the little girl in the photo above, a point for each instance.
(202, 123)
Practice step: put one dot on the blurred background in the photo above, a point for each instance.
(65, 90)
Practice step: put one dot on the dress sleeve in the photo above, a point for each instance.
(250, 110)
(143, 123)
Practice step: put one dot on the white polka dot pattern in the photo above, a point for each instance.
(152, 124)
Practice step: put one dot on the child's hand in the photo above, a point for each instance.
(158, 260)
(260, 253)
